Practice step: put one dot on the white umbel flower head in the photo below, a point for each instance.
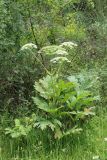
(105, 139)
(61, 52)
(59, 60)
(69, 44)
(96, 157)
(29, 46)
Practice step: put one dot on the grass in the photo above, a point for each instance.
(90, 144)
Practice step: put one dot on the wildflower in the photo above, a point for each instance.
(61, 52)
(59, 60)
(70, 45)
(29, 46)
(53, 50)
(105, 139)
(96, 157)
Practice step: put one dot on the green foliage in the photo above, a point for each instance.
(103, 83)
(97, 40)
(46, 23)
(61, 104)
(22, 127)
(88, 80)
(37, 38)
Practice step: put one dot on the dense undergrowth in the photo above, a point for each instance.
(53, 80)
(90, 144)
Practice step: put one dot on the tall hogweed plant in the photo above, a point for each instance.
(61, 104)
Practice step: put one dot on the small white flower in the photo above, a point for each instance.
(70, 44)
(29, 46)
(61, 52)
(59, 60)
(105, 139)
(96, 157)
